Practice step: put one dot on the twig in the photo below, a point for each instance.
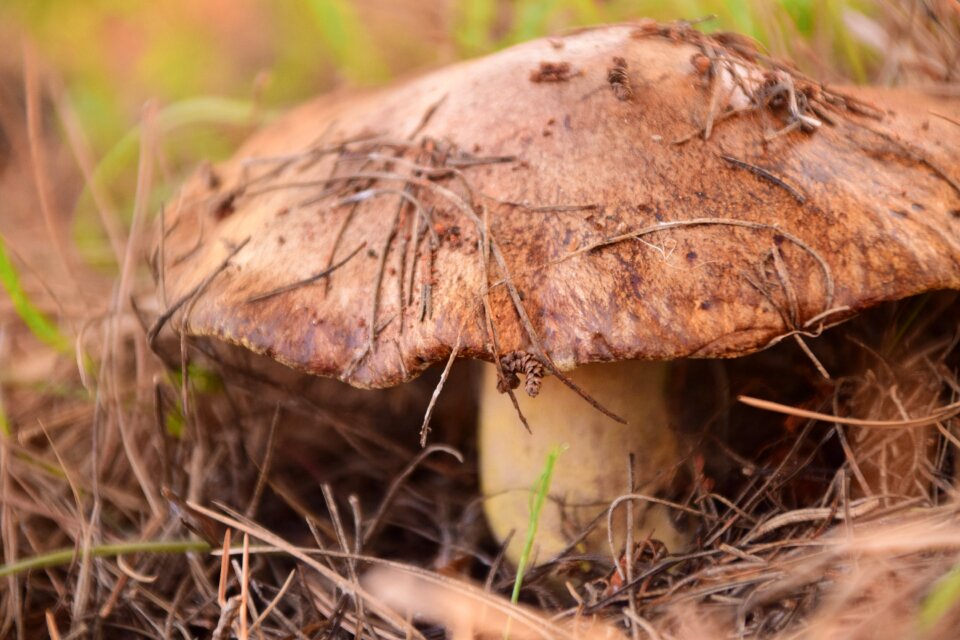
(374, 525)
(946, 117)
(945, 413)
(861, 508)
(535, 340)
(276, 600)
(196, 291)
(224, 570)
(245, 588)
(427, 116)
(425, 427)
(265, 465)
(768, 176)
(38, 161)
(916, 156)
(664, 226)
(306, 281)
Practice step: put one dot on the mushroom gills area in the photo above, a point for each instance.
(592, 470)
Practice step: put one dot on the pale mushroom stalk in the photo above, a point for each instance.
(592, 470)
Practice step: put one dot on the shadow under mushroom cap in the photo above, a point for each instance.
(625, 192)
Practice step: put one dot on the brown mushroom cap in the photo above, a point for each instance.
(627, 232)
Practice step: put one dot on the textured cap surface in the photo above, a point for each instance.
(639, 192)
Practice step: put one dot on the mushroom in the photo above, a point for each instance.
(579, 212)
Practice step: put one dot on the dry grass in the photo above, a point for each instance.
(195, 502)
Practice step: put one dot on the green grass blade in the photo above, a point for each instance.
(539, 496)
(475, 21)
(115, 166)
(348, 41)
(942, 598)
(41, 327)
(530, 19)
(203, 110)
(66, 556)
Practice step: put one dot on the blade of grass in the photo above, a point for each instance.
(538, 496)
(202, 110)
(41, 327)
(942, 598)
(67, 555)
(351, 46)
(474, 25)
(530, 18)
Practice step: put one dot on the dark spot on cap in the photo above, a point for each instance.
(955, 213)
(224, 206)
(281, 240)
(213, 180)
(900, 213)
(916, 206)
(566, 122)
(778, 239)
(691, 256)
(706, 305)
(371, 253)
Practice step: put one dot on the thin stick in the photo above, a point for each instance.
(488, 317)
(945, 413)
(916, 156)
(425, 427)
(224, 570)
(84, 159)
(306, 281)
(535, 340)
(378, 282)
(765, 174)
(398, 482)
(945, 117)
(341, 230)
(245, 588)
(695, 222)
(861, 508)
(197, 290)
(344, 545)
(265, 466)
(276, 600)
(52, 627)
(38, 161)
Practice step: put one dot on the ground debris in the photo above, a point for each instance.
(619, 80)
(553, 72)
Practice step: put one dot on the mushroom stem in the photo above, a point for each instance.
(592, 472)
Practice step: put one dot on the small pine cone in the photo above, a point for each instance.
(508, 382)
(525, 363)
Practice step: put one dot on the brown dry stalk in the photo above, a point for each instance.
(945, 413)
